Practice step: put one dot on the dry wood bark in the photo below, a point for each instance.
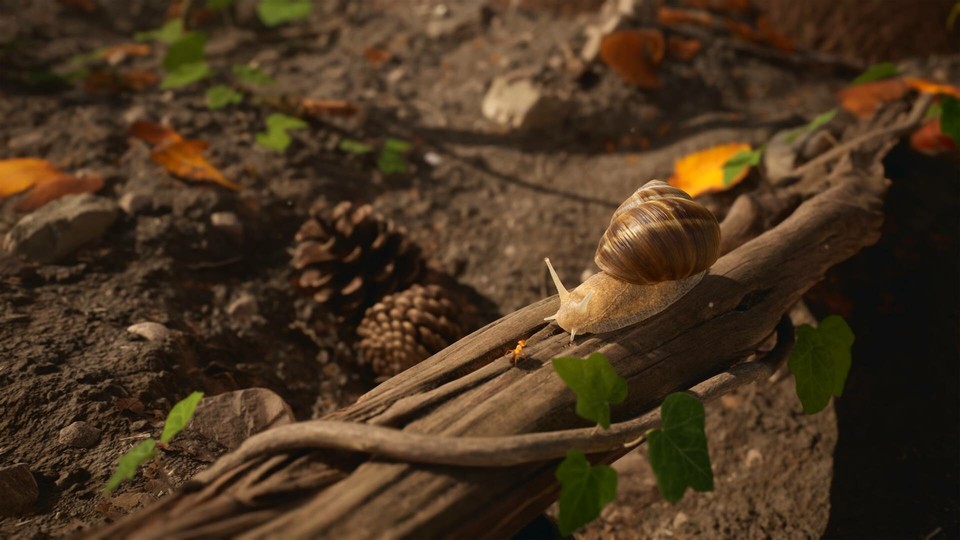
(472, 390)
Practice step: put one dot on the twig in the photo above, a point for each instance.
(486, 451)
(912, 121)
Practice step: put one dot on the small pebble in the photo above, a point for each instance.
(753, 457)
(243, 306)
(80, 435)
(135, 202)
(151, 331)
(228, 223)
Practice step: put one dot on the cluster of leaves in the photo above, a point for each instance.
(390, 160)
(179, 417)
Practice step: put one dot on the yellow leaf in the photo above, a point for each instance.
(47, 181)
(702, 171)
(185, 159)
(925, 86)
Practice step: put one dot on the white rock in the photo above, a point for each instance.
(228, 222)
(520, 104)
(135, 202)
(753, 457)
(61, 227)
(151, 331)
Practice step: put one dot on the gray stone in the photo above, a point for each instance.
(228, 223)
(80, 435)
(151, 331)
(135, 202)
(520, 104)
(61, 227)
(18, 490)
(232, 417)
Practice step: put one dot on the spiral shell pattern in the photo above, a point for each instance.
(659, 234)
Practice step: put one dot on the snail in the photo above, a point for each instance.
(658, 246)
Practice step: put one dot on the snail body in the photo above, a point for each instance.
(658, 246)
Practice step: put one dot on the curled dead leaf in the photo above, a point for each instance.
(45, 182)
(180, 157)
(928, 139)
(634, 55)
(929, 87)
(863, 100)
(702, 172)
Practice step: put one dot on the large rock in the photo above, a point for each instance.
(521, 104)
(232, 417)
(18, 490)
(59, 228)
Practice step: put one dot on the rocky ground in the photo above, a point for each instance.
(486, 194)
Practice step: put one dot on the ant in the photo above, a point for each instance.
(518, 351)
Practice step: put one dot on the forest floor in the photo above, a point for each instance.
(487, 205)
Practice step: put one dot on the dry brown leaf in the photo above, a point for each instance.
(185, 159)
(117, 53)
(863, 100)
(634, 55)
(683, 49)
(702, 171)
(327, 107)
(111, 82)
(377, 57)
(138, 79)
(154, 133)
(930, 140)
(47, 182)
(668, 16)
(929, 87)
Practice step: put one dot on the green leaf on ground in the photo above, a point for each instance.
(883, 70)
(219, 5)
(391, 160)
(950, 118)
(168, 33)
(353, 146)
(180, 416)
(935, 110)
(741, 160)
(952, 16)
(276, 12)
(252, 75)
(678, 450)
(220, 96)
(129, 463)
(185, 74)
(188, 49)
(596, 384)
(584, 491)
(276, 137)
(820, 362)
(819, 121)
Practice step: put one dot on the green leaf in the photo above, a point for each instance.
(276, 136)
(220, 96)
(820, 362)
(185, 74)
(952, 17)
(180, 416)
(391, 160)
(584, 491)
(252, 75)
(741, 160)
(678, 450)
(352, 146)
(935, 110)
(168, 33)
(397, 145)
(596, 384)
(819, 121)
(129, 463)
(188, 49)
(883, 70)
(219, 5)
(950, 118)
(276, 12)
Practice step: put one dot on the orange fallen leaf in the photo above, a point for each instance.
(702, 171)
(138, 79)
(634, 55)
(181, 157)
(116, 53)
(683, 49)
(377, 57)
(327, 107)
(109, 82)
(47, 182)
(863, 100)
(930, 140)
(929, 87)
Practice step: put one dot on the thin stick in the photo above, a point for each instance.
(486, 451)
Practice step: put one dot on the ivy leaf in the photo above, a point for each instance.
(678, 450)
(819, 121)
(584, 490)
(129, 463)
(740, 161)
(185, 74)
(276, 137)
(220, 96)
(391, 158)
(276, 12)
(596, 384)
(820, 362)
(352, 146)
(252, 75)
(883, 70)
(168, 33)
(180, 416)
(950, 118)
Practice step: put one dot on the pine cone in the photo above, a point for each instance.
(349, 258)
(407, 327)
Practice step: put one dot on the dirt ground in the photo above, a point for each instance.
(487, 205)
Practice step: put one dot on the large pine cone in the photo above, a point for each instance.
(407, 327)
(349, 258)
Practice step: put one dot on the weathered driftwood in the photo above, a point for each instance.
(471, 390)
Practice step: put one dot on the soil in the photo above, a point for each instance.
(487, 205)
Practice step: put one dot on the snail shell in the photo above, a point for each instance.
(658, 246)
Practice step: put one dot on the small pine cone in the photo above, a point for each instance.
(406, 328)
(348, 258)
